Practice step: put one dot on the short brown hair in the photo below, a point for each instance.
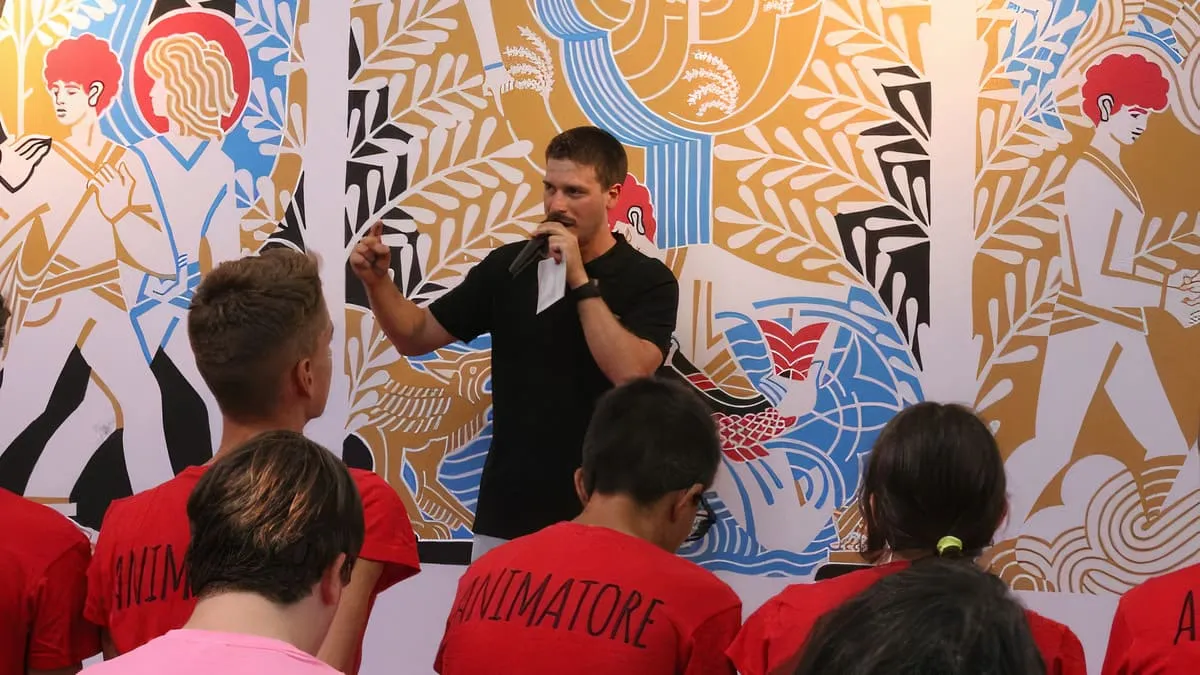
(251, 320)
(270, 518)
(594, 147)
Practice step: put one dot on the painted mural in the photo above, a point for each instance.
(142, 143)
(1086, 294)
(781, 160)
(807, 173)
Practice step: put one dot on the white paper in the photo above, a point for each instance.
(552, 283)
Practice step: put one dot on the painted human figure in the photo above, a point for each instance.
(192, 180)
(496, 78)
(85, 234)
(1098, 332)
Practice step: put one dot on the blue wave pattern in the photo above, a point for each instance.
(1047, 45)
(678, 160)
(268, 29)
(1159, 35)
(869, 377)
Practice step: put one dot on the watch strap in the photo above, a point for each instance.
(589, 289)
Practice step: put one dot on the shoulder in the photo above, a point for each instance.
(1086, 172)
(1046, 626)
(650, 271)
(177, 489)
(1169, 588)
(504, 254)
(535, 547)
(160, 504)
(44, 533)
(1055, 640)
(694, 586)
(496, 261)
(372, 487)
(819, 597)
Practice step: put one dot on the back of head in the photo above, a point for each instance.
(251, 320)
(594, 147)
(934, 471)
(271, 518)
(648, 438)
(938, 617)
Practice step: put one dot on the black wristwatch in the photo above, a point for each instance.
(588, 289)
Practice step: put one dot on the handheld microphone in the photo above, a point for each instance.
(537, 248)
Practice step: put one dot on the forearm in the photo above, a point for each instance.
(142, 236)
(619, 353)
(399, 318)
(1129, 291)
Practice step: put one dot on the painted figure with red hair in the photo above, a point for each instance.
(1098, 330)
(84, 232)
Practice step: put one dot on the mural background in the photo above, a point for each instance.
(838, 260)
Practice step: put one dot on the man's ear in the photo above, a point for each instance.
(1105, 101)
(331, 585)
(685, 505)
(94, 91)
(306, 380)
(580, 491)
(613, 195)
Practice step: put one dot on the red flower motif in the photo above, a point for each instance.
(633, 212)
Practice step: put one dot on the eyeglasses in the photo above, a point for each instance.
(705, 519)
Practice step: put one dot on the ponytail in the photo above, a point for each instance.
(949, 547)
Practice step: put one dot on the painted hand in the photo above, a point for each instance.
(114, 190)
(496, 81)
(18, 158)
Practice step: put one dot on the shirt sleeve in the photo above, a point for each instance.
(60, 636)
(1120, 638)
(748, 651)
(710, 641)
(389, 536)
(99, 584)
(653, 313)
(1071, 660)
(465, 311)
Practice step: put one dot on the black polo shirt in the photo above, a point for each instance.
(544, 380)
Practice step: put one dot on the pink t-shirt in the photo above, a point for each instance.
(201, 652)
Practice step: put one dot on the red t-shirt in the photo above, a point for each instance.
(43, 565)
(137, 588)
(776, 631)
(575, 599)
(1146, 659)
(1157, 616)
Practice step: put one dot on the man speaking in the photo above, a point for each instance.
(551, 358)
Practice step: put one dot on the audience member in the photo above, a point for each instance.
(606, 593)
(937, 617)
(276, 526)
(1153, 620)
(261, 334)
(1143, 658)
(934, 479)
(43, 565)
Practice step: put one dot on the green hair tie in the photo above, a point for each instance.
(949, 543)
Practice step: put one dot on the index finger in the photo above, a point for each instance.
(552, 226)
(377, 229)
